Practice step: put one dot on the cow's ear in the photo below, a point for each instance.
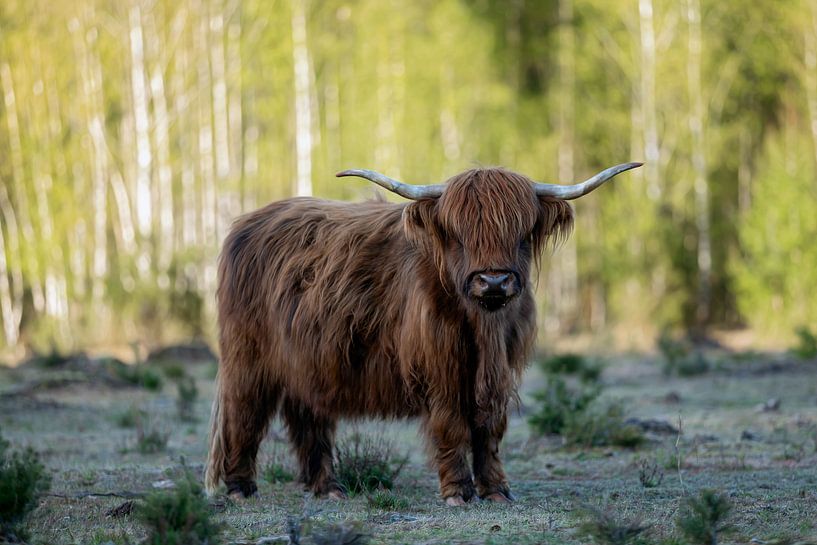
(420, 222)
(555, 222)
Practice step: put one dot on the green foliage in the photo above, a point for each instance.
(130, 418)
(571, 364)
(680, 358)
(140, 375)
(23, 480)
(559, 403)
(150, 437)
(275, 472)
(387, 501)
(603, 527)
(650, 474)
(188, 393)
(600, 427)
(179, 516)
(806, 347)
(703, 517)
(365, 463)
(174, 371)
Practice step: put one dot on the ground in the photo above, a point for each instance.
(763, 459)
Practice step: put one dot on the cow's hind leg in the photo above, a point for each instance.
(242, 410)
(313, 439)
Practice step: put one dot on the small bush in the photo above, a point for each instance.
(274, 472)
(387, 501)
(650, 474)
(180, 516)
(601, 428)
(150, 438)
(140, 375)
(571, 364)
(806, 347)
(604, 528)
(558, 402)
(186, 400)
(366, 463)
(130, 418)
(23, 480)
(703, 517)
(680, 358)
(174, 371)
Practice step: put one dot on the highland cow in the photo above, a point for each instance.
(332, 310)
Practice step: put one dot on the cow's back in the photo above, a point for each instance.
(311, 285)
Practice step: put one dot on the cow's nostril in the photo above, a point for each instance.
(494, 281)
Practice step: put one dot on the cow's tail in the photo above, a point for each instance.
(216, 457)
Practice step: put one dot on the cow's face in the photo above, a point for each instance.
(483, 233)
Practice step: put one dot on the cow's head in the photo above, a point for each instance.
(484, 227)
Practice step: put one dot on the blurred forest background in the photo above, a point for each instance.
(133, 131)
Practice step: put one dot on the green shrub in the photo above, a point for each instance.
(180, 516)
(387, 501)
(366, 463)
(650, 474)
(692, 365)
(174, 371)
(806, 347)
(604, 528)
(150, 438)
(571, 364)
(23, 480)
(703, 517)
(140, 375)
(130, 418)
(274, 472)
(186, 400)
(558, 402)
(601, 428)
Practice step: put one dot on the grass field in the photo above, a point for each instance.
(80, 416)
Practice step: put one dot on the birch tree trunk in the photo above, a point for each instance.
(701, 187)
(810, 62)
(164, 171)
(18, 181)
(562, 277)
(144, 156)
(303, 100)
(648, 108)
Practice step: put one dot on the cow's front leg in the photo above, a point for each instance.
(449, 436)
(488, 473)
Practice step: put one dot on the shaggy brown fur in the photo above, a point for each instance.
(332, 310)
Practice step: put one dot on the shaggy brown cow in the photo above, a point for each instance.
(333, 310)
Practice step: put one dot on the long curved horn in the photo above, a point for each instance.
(413, 192)
(568, 192)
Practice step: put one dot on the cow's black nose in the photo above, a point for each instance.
(493, 289)
(494, 282)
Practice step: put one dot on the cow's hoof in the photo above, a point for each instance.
(239, 497)
(241, 490)
(499, 497)
(336, 494)
(455, 501)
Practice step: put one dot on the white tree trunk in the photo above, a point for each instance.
(144, 156)
(303, 100)
(701, 186)
(647, 89)
(18, 179)
(562, 277)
